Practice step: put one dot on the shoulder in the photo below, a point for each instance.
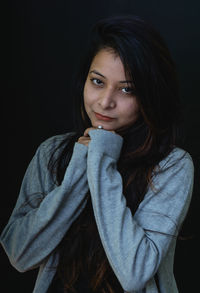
(176, 159)
(51, 144)
(171, 190)
(54, 141)
(39, 165)
(175, 172)
(49, 148)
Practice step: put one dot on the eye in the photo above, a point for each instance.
(127, 90)
(96, 81)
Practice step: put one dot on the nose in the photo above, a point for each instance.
(107, 99)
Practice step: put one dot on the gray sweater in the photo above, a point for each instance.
(137, 247)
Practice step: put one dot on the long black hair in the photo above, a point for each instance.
(147, 61)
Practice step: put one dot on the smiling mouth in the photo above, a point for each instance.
(102, 117)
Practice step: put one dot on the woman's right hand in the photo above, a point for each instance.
(85, 139)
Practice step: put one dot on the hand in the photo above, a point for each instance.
(85, 139)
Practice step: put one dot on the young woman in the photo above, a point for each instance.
(100, 209)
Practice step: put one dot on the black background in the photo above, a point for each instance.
(44, 42)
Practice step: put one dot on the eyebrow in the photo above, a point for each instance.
(98, 73)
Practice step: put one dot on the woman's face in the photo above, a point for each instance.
(109, 97)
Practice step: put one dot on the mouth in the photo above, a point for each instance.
(102, 117)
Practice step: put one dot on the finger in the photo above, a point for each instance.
(84, 140)
(86, 132)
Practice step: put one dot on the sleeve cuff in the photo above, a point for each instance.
(106, 142)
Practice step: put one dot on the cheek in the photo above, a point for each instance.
(87, 95)
(131, 110)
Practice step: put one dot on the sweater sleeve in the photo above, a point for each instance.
(44, 212)
(135, 245)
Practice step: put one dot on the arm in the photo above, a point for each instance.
(43, 212)
(135, 246)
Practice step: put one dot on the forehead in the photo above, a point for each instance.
(109, 64)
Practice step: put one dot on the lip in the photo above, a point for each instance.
(102, 117)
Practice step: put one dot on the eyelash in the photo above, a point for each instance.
(131, 90)
(93, 79)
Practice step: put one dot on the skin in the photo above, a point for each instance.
(108, 92)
